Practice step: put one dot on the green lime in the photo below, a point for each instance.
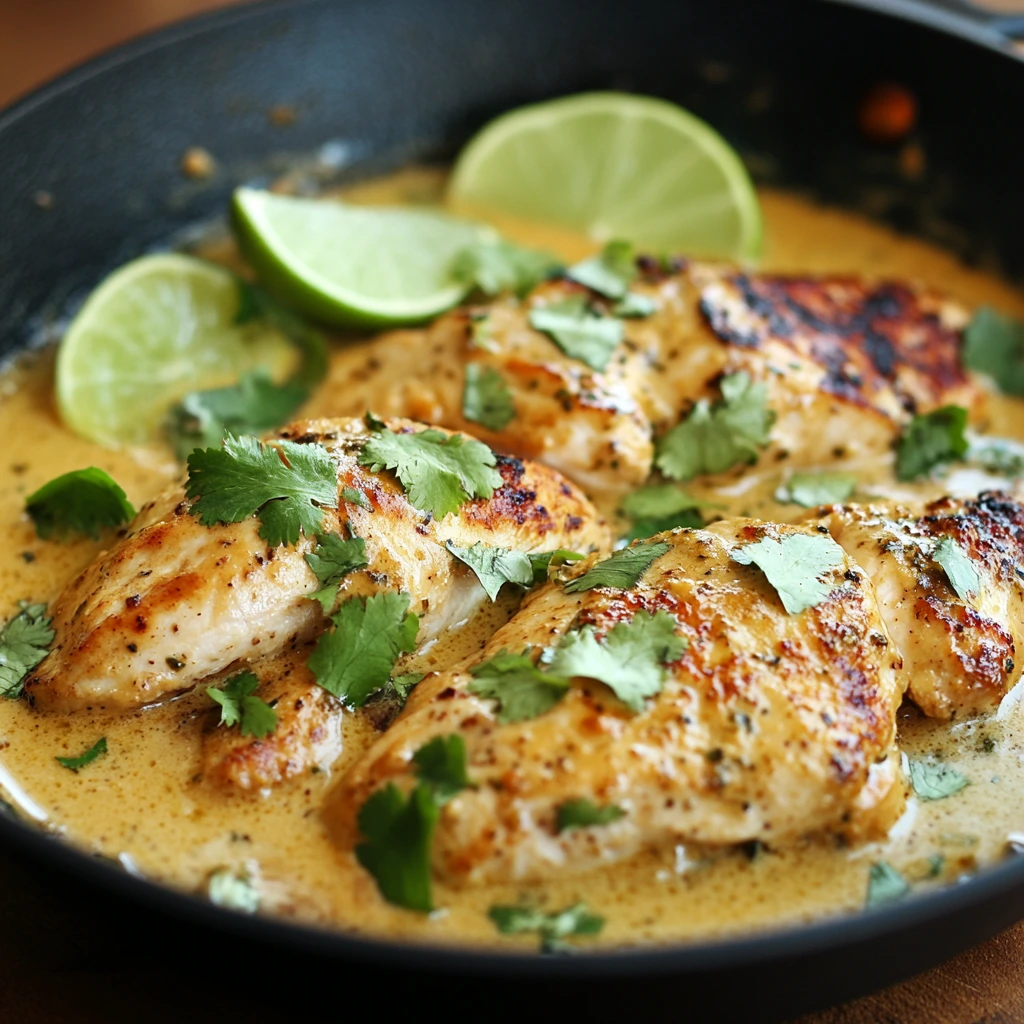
(154, 330)
(610, 165)
(351, 265)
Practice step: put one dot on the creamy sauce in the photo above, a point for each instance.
(146, 804)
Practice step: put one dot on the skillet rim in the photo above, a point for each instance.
(762, 947)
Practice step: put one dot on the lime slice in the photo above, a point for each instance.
(154, 330)
(354, 265)
(611, 165)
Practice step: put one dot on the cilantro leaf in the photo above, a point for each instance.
(354, 660)
(610, 273)
(630, 660)
(238, 706)
(405, 683)
(74, 763)
(495, 566)
(579, 332)
(441, 765)
(812, 489)
(961, 572)
(885, 885)
(486, 398)
(793, 565)
(355, 497)
(931, 440)
(24, 642)
(543, 561)
(634, 306)
(332, 560)
(399, 830)
(82, 501)
(283, 483)
(439, 472)
(521, 689)
(233, 891)
(500, 266)
(621, 569)
(714, 438)
(583, 813)
(933, 780)
(552, 928)
(994, 345)
(997, 455)
(659, 507)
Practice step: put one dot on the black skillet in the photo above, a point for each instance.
(89, 177)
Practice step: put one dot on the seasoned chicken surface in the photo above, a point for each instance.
(770, 726)
(960, 651)
(175, 601)
(855, 359)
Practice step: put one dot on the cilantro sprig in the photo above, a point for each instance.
(238, 706)
(82, 501)
(520, 687)
(498, 266)
(439, 472)
(810, 490)
(332, 560)
(794, 564)
(355, 658)
(659, 507)
(630, 660)
(580, 331)
(24, 642)
(621, 570)
(75, 763)
(933, 780)
(932, 440)
(486, 398)
(398, 830)
(552, 928)
(609, 273)
(584, 813)
(885, 885)
(716, 437)
(495, 566)
(960, 570)
(286, 484)
(994, 345)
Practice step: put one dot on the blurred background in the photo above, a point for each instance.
(41, 38)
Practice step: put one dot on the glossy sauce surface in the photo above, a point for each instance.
(146, 804)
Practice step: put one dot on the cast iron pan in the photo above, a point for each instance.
(89, 177)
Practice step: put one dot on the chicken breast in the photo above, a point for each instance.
(769, 726)
(959, 648)
(175, 601)
(856, 359)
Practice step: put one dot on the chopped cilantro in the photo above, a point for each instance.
(486, 398)
(439, 472)
(233, 891)
(659, 507)
(404, 683)
(521, 689)
(885, 885)
(332, 560)
(552, 928)
(635, 306)
(355, 497)
(933, 780)
(238, 706)
(610, 273)
(499, 266)
(398, 830)
(24, 642)
(74, 763)
(495, 567)
(794, 565)
(997, 455)
(544, 561)
(583, 813)
(283, 483)
(812, 489)
(579, 332)
(82, 501)
(994, 345)
(931, 440)
(961, 572)
(354, 659)
(714, 438)
(630, 660)
(620, 570)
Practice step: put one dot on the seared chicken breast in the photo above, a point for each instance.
(175, 601)
(769, 726)
(960, 649)
(856, 359)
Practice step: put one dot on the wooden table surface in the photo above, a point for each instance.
(62, 963)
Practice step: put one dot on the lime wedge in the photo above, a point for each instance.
(354, 265)
(610, 165)
(154, 330)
